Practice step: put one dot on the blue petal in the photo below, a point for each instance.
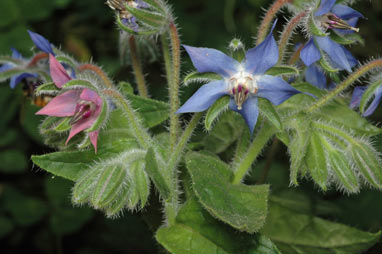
(310, 53)
(335, 51)
(264, 56)
(351, 59)
(370, 110)
(250, 111)
(345, 12)
(325, 7)
(204, 97)
(212, 60)
(5, 67)
(315, 76)
(16, 54)
(41, 43)
(274, 89)
(357, 96)
(18, 78)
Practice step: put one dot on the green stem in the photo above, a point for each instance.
(257, 145)
(269, 160)
(171, 206)
(137, 68)
(139, 131)
(166, 56)
(174, 85)
(345, 84)
(266, 23)
(287, 33)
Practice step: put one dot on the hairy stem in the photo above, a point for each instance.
(139, 131)
(257, 145)
(346, 83)
(287, 33)
(269, 160)
(98, 71)
(137, 67)
(295, 56)
(174, 85)
(266, 23)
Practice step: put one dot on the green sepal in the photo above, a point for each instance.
(109, 185)
(201, 77)
(67, 60)
(241, 206)
(282, 70)
(119, 202)
(215, 110)
(4, 75)
(47, 88)
(368, 95)
(85, 185)
(324, 63)
(131, 31)
(155, 4)
(141, 181)
(316, 161)
(346, 39)
(102, 117)
(268, 111)
(63, 125)
(314, 28)
(79, 83)
(154, 173)
(147, 17)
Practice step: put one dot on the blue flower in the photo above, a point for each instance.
(357, 96)
(41, 42)
(316, 76)
(19, 77)
(244, 82)
(342, 19)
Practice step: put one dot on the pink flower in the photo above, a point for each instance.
(83, 105)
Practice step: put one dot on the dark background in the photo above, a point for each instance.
(35, 209)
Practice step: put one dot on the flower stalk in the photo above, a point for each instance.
(91, 67)
(137, 67)
(345, 84)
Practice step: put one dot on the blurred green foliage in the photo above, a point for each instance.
(35, 208)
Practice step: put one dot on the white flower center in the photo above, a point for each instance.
(241, 85)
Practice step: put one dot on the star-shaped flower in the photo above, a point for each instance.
(244, 81)
(342, 19)
(82, 105)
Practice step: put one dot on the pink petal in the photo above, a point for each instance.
(62, 105)
(90, 95)
(93, 138)
(58, 72)
(81, 125)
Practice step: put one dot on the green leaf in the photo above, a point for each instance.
(282, 70)
(70, 165)
(315, 159)
(299, 233)
(85, 184)
(153, 112)
(195, 232)
(215, 110)
(368, 95)
(241, 206)
(201, 77)
(268, 111)
(155, 174)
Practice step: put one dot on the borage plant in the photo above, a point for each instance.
(107, 144)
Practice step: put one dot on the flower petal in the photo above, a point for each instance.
(41, 43)
(212, 60)
(62, 105)
(250, 111)
(357, 96)
(377, 99)
(18, 78)
(16, 54)
(58, 72)
(81, 125)
(90, 95)
(325, 7)
(351, 59)
(335, 51)
(204, 97)
(315, 76)
(274, 89)
(264, 56)
(345, 12)
(310, 53)
(93, 136)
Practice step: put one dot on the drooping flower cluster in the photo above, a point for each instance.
(243, 81)
(340, 19)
